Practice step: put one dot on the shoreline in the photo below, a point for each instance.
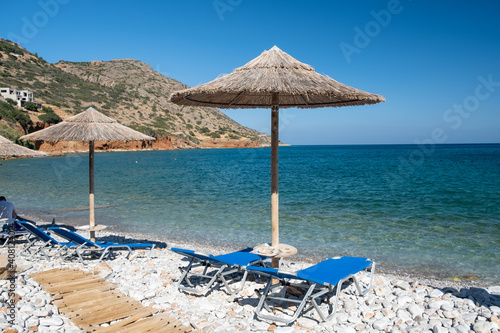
(302, 261)
(220, 249)
(206, 247)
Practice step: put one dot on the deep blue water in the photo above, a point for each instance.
(432, 210)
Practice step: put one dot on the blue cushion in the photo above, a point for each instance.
(333, 270)
(240, 258)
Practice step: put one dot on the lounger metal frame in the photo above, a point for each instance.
(6, 236)
(220, 269)
(86, 246)
(315, 292)
(43, 241)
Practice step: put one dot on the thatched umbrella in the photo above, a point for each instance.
(10, 149)
(90, 126)
(273, 80)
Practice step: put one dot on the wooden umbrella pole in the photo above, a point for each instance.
(91, 190)
(275, 235)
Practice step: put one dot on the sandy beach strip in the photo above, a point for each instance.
(397, 303)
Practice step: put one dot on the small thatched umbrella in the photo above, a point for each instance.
(10, 149)
(90, 126)
(273, 80)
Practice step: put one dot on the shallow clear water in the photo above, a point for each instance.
(431, 210)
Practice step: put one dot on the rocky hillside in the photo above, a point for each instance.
(129, 91)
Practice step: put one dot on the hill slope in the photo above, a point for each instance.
(128, 90)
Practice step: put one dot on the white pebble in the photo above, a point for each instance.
(381, 324)
(54, 321)
(482, 327)
(402, 285)
(436, 293)
(32, 322)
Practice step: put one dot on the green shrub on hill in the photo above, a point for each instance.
(205, 130)
(47, 109)
(10, 48)
(10, 113)
(11, 101)
(149, 130)
(9, 132)
(49, 116)
(30, 106)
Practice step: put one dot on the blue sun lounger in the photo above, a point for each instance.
(221, 267)
(11, 232)
(86, 246)
(318, 280)
(42, 241)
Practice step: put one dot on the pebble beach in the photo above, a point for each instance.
(396, 303)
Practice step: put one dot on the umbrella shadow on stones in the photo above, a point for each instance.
(306, 314)
(480, 296)
(127, 240)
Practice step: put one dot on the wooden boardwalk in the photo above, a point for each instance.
(89, 301)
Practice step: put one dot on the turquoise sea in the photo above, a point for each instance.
(432, 210)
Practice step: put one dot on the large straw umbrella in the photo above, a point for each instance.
(90, 126)
(10, 149)
(273, 80)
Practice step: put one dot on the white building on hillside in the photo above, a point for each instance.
(20, 96)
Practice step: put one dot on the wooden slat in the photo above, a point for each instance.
(98, 313)
(79, 286)
(106, 297)
(158, 323)
(58, 272)
(95, 308)
(107, 315)
(91, 307)
(167, 325)
(117, 326)
(68, 281)
(88, 294)
(68, 301)
(142, 325)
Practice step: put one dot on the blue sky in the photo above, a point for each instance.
(437, 63)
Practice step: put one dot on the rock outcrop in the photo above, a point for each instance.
(162, 143)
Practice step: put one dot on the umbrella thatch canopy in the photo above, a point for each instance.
(274, 71)
(90, 126)
(10, 149)
(273, 80)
